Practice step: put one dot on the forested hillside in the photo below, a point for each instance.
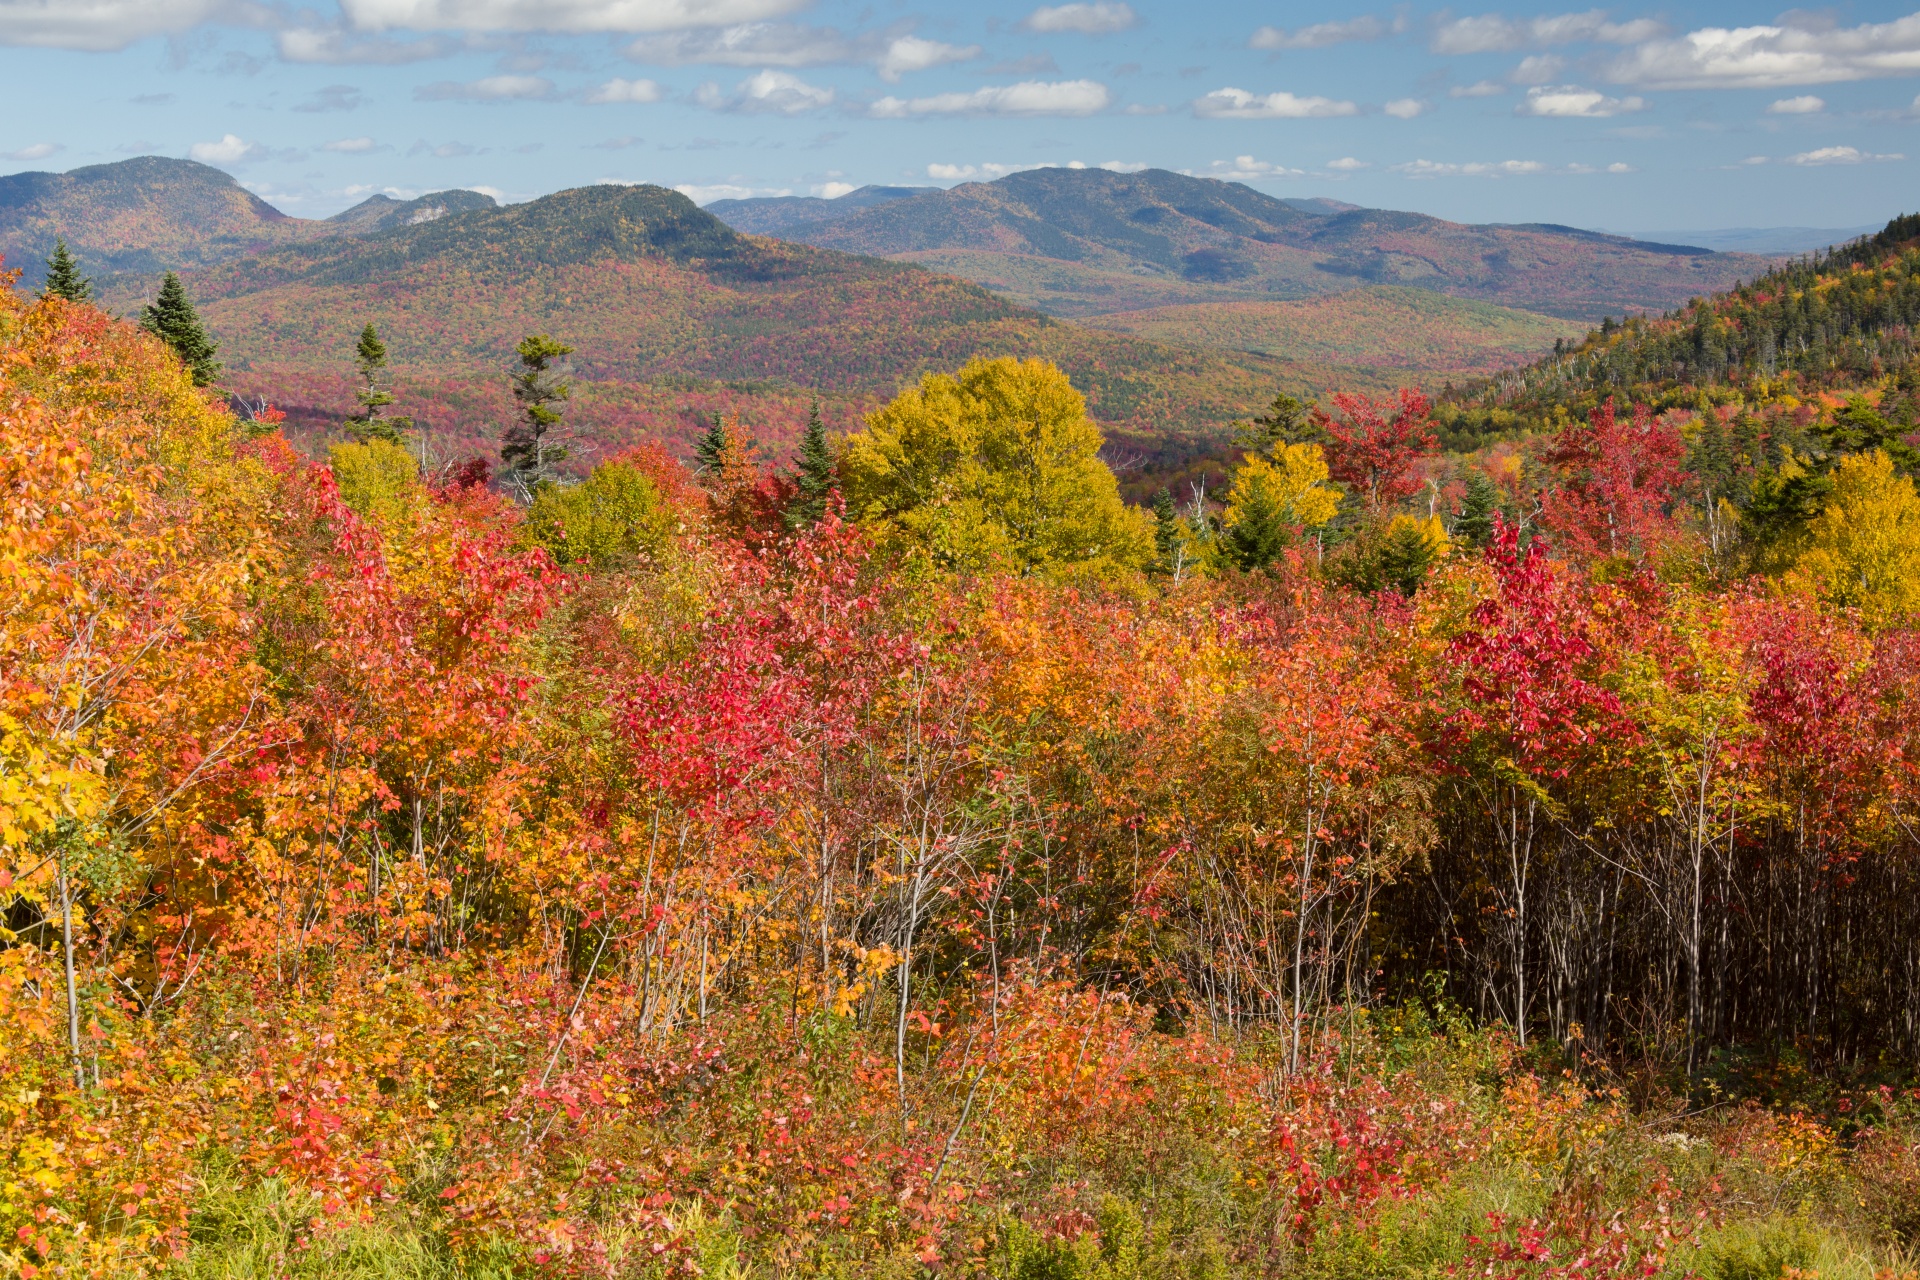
(911, 860)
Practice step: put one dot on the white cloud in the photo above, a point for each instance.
(349, 146)
(335, 47)
(618, 90)
(36, 151)
(1497, 169)
(1804, 105)
(834, 190)
(1145, 109)
(1405, 108)
(1771, 57)
(1028, 98)
(911, 53)
(1570, 102)
(1123, 166)
(1098, 18)
(487, 89)
(1322, 34)
(1839, 155)
(1496, 33)
(776, 92)
(231, 149)
(1347, 164)
(1244, 169)
(100, 25)
(969, 172)
(559, 15)
(1238, 104)
(1541, 68)
(722, 191)
(1479, 89)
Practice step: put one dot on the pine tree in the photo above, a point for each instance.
(172, 319)
(813, 478)
(1264, 527)
(63, 277)
(1286, 421)
(710, 446)
(532, 448)
(370, 354)
(1474, 525)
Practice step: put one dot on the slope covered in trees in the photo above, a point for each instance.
(1078, 242)
(964, 876)
(656, 295)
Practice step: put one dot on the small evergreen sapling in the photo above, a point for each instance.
(171, 318)
(533, 448)
(63, 277)
(813, 479)
(370, 355)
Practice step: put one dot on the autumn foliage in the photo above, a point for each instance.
(638, 885)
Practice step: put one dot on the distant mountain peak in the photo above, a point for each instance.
(382, 212)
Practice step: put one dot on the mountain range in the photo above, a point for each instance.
(1083, 242)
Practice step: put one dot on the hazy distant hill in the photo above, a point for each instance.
(141, 216)
(652, 290)
(1077, 242)
(1768, 240)
(381, 212)
(779, 215)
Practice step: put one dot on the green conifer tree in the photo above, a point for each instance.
(1166, 528)
(1474, 524)
(710, 446)
(533, 448)
(1286, 421)
(370, 355)
(813, 478)
(1264, 527)
(172, 319)
(63, 277)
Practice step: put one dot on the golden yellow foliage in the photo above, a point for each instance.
(1863, 549)
(1295, 477)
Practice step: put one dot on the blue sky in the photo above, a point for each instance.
(1692, 116)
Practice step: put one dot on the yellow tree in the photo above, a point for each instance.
(997, 467)
(1863, 549)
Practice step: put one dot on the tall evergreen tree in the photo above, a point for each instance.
(1286, 421)
(172, 319)
(710, 446)
(813, 478)
(63, 277)
(533, 448)
(370, 355)
(1474, 525)
(1264, 528)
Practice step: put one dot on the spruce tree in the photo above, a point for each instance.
(813, 479)
(710, 446)
(532, 448)
(171, 318)
(1166, 527)
(1474, 525)
(63, 277)
(1263, 527)
(370, 354)
(1286, 421)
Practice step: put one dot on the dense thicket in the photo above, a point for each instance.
(1355, 878)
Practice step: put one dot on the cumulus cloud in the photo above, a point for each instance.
(618, 90)
(911, 53)
(834, 190)
(1244, 169)
(1238, 104)
(1496, 33)
(1571, 102)
(1098, 18)
(1405, 108)
(231, 149)
(971, 172)
(1479, 89)
(768, 92)
(1028, 98)
(1771, 57)
(1804, 105)
(349, 146)
(487, 89)
(559, 15)
(98, 26)
(1541, 68)
(329, 46)
(444, 151)
(35, 151)
(1322, 34)
(1840, 155)
(1347, 164)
